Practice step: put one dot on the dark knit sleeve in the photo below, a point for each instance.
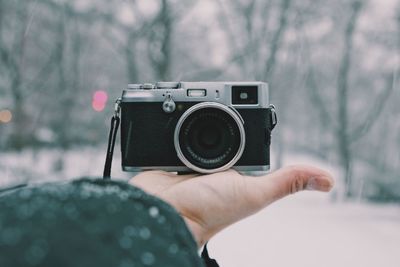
(91, 223)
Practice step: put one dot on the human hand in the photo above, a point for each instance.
(210, 203)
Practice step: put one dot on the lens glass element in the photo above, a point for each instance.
(209, 138)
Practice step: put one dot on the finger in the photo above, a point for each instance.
(290, 180)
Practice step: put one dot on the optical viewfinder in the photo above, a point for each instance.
(244, 95)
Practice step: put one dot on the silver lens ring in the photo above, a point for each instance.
(234, 114)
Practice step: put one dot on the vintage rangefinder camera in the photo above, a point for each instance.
(203, 127)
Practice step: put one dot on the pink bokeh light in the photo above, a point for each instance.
(100, 96)
(98, 106)
(99, 102)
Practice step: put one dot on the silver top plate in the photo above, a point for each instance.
(220, 92)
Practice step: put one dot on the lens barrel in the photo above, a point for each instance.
(209, 137)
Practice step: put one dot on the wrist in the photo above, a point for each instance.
(198, 232)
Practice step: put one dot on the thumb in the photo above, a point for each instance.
(290, 180)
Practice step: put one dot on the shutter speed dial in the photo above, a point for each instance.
(159, 85)
(167, 85)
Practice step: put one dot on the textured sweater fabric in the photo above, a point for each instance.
(91, 222)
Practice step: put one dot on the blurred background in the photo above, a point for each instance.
(333, 71)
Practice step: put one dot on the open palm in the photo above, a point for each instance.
(209, 203)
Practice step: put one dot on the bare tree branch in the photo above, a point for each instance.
(375, 111)
(160, 41)
(223, 19)
(342, 88)
(312, 86)
(276, 40)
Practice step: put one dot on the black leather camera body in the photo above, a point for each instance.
(204, 127)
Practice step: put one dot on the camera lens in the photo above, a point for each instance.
(209, 137)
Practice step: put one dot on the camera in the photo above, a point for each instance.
(204, 127)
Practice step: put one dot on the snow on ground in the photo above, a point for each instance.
(306, 229)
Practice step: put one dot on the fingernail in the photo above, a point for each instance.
(318, 184)
(312, 184)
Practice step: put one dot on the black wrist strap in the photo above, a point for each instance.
(206, 258)
(110, 148)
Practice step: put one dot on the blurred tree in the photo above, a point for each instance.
(276, 40)
(12, 56)
(155, 31)
(160, 36)
(382, 181)
(347, 132)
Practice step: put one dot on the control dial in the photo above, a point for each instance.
(148, 86)
(134, 86)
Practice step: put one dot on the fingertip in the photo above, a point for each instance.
(316, 178)
(295, 178)
(323, 184)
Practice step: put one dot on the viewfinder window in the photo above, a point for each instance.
(244, 95)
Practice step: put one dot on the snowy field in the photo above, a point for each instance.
(306, 229)
(309, 230)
